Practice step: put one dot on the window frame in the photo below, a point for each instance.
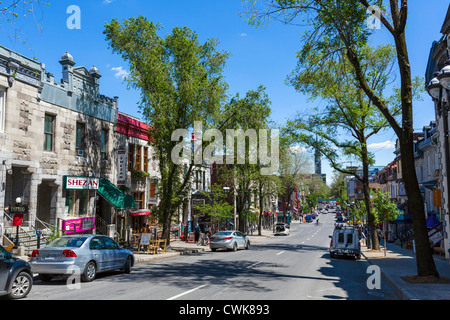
(51, 134)
(2, 109)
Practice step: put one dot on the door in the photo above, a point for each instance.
(5, 264)
(112, 252)
(96, 247)
(240, 239)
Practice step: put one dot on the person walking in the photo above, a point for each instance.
(197, 233)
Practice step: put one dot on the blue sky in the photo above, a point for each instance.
(264, 55)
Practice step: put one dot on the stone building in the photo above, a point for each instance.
(137, 172)
(56, 144)
(438, 85)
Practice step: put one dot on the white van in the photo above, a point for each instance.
(345, 242)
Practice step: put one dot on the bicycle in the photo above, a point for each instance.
(204, 241)
(317, 222)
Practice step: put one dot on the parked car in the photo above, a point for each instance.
(16, 277)
(281, 229)
(229, 240)
(345, 241)
(309, 218)
(86, 255)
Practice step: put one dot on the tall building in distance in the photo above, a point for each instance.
(318, 166)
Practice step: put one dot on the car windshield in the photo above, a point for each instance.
(223, 233)
(74, 242)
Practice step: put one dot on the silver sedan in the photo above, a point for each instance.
(85, 255)
(230, 240)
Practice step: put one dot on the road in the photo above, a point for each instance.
(294, 267)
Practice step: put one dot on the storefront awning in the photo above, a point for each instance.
(114, 195)
(142, 212)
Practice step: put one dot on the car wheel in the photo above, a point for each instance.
(89, 272)
(21, 286)
(127, 267)
(235, 247)
(213, 249)
(247, 245)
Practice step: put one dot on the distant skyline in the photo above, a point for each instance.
(259, 56)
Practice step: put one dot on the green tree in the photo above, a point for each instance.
(180, 81)
(341, 26)
(219, 209)
(343, 127)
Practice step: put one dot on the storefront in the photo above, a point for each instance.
(80, 193)
(93, 204)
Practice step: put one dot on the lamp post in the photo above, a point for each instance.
(438, 90)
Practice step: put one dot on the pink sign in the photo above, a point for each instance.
(78, 225)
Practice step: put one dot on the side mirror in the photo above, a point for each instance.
(330, 236)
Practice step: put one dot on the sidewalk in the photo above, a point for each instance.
(399, 263)
(178, 247)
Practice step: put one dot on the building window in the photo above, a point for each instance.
(49, 132)
(130, 157)
(138, 158)
(2, 110)
(153, 189)
(145, 159)
(139, 200)
(104, 144)
(80, 138)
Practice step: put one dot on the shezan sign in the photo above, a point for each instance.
(82, 183)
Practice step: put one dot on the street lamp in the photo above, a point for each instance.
(434, 88)
(444, 76)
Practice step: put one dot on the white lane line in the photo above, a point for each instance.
(280, 253)
(187, 292)
(255, 264)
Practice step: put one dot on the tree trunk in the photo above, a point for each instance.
(424, 255)
(366, 189)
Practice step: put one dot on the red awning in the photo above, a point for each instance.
(142, 212)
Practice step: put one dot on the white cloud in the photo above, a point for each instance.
(120, 72)
(297, 149)
(243, 34)
(382, 145)
(107, 1)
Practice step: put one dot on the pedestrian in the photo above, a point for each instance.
(197, 232)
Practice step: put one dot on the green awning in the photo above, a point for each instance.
(114, 195)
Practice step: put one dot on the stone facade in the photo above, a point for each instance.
(35, 109)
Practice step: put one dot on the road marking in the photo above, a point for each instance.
(280, 253)
(187, 292)
(255, 264)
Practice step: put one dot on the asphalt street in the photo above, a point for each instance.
(293, 267)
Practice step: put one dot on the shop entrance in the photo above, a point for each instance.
(45, 203)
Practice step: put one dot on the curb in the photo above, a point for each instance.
(399, 292)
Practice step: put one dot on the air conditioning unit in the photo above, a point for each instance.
(80, 153)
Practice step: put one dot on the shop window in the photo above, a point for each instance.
(104, 144)
(77, 203)
(49, 132)
(2, 110)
